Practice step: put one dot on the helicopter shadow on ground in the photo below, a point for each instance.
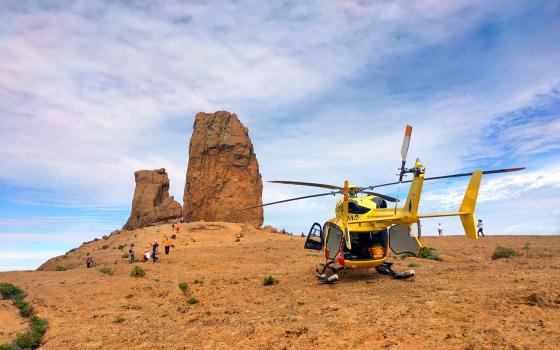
(368, 276)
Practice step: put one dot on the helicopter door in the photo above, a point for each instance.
(401, 240)
(314, 238)
(333, 237)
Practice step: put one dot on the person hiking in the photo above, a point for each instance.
(146, 256)
(480, 228)
(440, 229)
(131, 254)
(154, 251)
(166, 245)
(89, 261)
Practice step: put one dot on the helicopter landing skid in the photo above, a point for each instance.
(387, 269)
(322, 276)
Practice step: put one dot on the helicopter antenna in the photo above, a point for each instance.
(404, 152)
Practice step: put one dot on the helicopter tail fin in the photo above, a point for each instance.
(466, 212)
(468, 205)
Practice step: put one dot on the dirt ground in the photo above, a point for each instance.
(465, 301)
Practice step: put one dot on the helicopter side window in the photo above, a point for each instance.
(314, 238)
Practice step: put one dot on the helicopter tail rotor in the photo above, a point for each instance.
(404, 150)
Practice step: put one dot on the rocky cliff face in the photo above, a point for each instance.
(151, 202)
(223, 174)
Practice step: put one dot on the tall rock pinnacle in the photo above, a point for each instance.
(223, 174)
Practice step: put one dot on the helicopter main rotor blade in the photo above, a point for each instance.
(293, 199)
(487, 172)
(310, 184)
(385, 197)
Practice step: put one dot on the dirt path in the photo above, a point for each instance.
(466, 301)
(11, 322)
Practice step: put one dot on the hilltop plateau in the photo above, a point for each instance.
(465, 301)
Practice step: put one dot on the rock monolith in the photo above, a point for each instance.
(152, 202)
(223, 172)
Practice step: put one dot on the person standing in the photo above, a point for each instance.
(166, 245)
(89, 261)
(480, 228)
(131, 254)
(440, 229)
(154, 251)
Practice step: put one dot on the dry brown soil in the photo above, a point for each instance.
(465, 301)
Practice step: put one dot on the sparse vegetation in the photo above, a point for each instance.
(173, 236)
(105, 246)
(504, 253)
(136, 307)
(105, 237)
(526, 248)
(60, 268)
(9, 291)
(121, 246)
(119, 319)
(192, 300)
(269, 280)
(137, 271)
(198, 281)
(183, 286)
(413, 264)
(95, 239)
(106, 270)
(30, 339)
(125, 256)
(25, 309)
(428, 253)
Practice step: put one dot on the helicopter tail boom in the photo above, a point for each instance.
(466, 211)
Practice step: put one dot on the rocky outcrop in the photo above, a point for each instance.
(223, 174)
(151, 202)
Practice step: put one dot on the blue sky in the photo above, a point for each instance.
(92, 91)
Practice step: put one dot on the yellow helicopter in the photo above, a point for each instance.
(365, 228)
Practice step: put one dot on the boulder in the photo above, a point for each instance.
(223, 172)
(152, 202)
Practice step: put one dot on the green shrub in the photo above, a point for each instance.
(428, 253)
(105, 246)
(137, 271)
(198, 281)
(192, 300)
(119, 319)
(8, 347)
(105, 237)
(184, 287)
(28, 340)
(60, 268)
(125, 256)
(173, 236)
(39, 325)
(9, 291)
(24, 308)
(269, 280)
(121, 246)
(106, 270)
(503, 253)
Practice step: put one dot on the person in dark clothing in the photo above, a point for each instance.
(89, 261)
(480, 228)
(131, 254)
(154, 251)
